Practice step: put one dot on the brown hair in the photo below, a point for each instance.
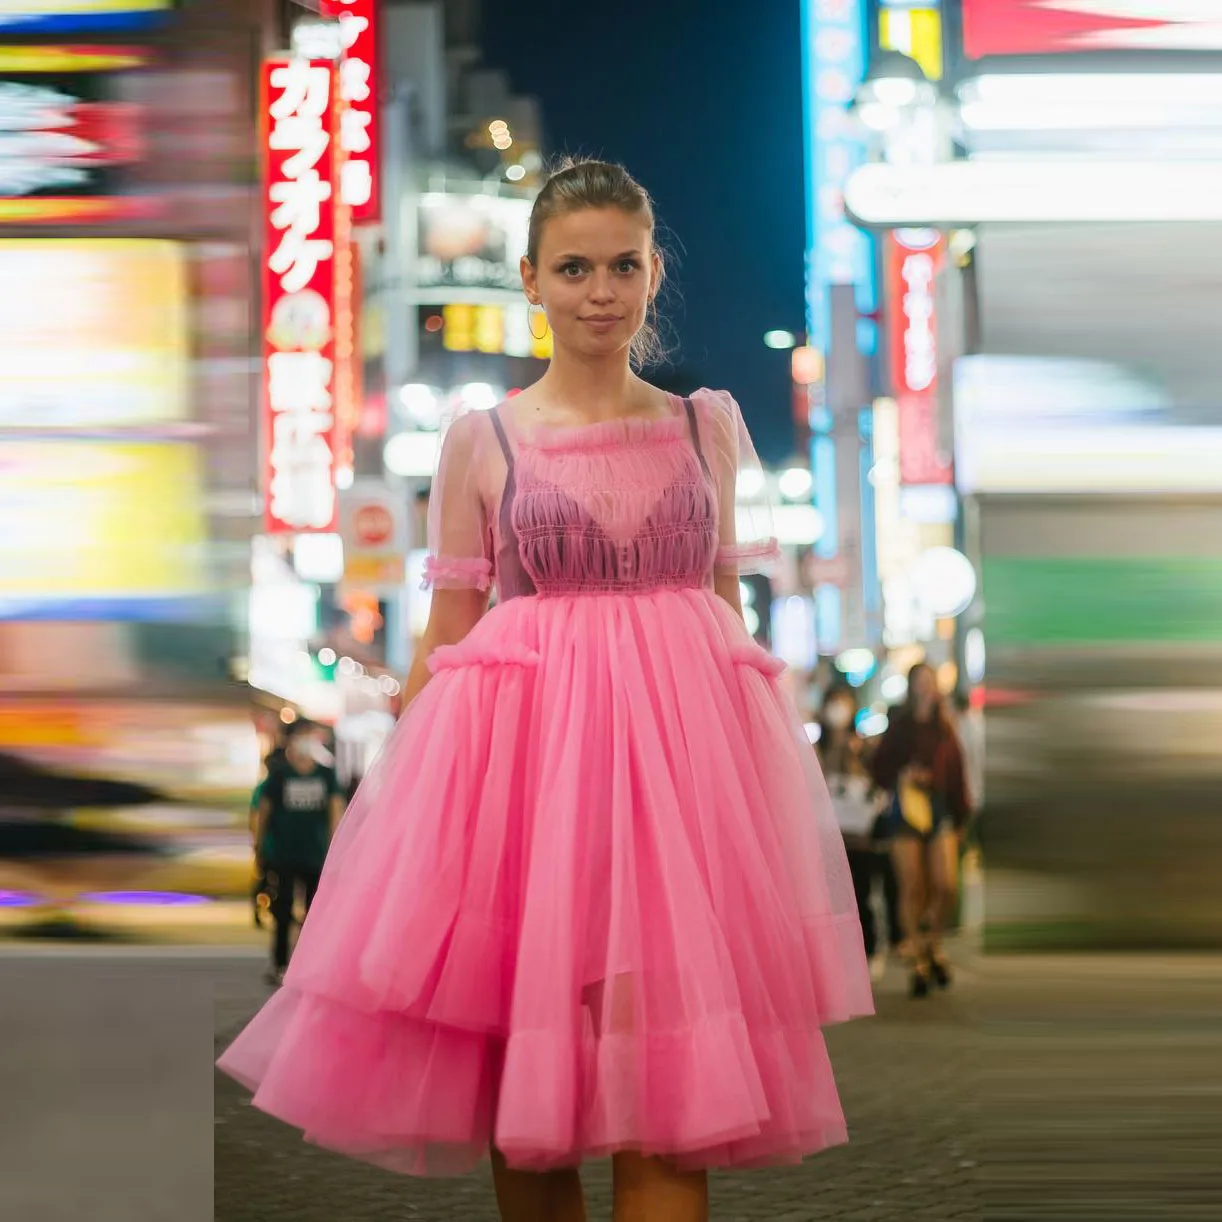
(577, 184)
(940, 716)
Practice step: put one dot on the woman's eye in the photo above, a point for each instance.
(628, 266)
(571, 269)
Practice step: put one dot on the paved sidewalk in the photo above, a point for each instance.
(1060, 1088)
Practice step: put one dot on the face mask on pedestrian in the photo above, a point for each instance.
(305, 748)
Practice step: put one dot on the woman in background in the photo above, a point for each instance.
(842, 754)
(920, 762)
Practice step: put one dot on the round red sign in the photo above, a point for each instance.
(374, 525)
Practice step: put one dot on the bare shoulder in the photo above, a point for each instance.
(538, 406)
(531, 399)
(650, 398)
(531, 408)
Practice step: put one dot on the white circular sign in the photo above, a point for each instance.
(944, 581)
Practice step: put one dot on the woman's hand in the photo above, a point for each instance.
(918, 775)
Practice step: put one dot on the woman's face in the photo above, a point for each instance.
(596, 275)
(838, 713)
(924, 686)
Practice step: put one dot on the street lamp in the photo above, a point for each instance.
(796, 482)
(894, 83)
(781, 340)
(902, 112)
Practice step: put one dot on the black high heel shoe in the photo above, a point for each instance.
(918, 985)
(941, 972)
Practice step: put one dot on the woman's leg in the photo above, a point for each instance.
(653, 1190)
(282, 914)
(908, 858)
(891, 900)
(911, 871)
(537, 1196)
(861, 867)
(942, 855)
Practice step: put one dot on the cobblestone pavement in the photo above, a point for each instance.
(1062, 1088)
(907, 1079)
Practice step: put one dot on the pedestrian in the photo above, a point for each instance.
(262, 893)
(299, 804)
(864, 826)
(919, 762)
(590, 900)
(968, 720)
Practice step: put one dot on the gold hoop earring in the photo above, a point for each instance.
(530, 321)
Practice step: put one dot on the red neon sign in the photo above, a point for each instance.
(360, 130)
(306, 302)
(913, 261)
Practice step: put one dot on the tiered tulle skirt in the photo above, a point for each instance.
(591, 897)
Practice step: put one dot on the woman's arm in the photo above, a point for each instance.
(957, 798)
(263, 814)
(745, 538)
(726, 585)
(889, 759)
(454, 613)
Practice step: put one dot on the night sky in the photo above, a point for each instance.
(702, 101)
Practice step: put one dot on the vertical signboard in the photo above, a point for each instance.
(838, 252)
(305, 303)
(349, 380)
(914, 257)
(840, 267)
(359, 127)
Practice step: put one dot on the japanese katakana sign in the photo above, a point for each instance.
(307, 266)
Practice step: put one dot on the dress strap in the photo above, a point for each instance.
(510, 479)
(499, 425)
(694, 426)
(513, 581)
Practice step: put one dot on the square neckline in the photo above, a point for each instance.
(597, 433)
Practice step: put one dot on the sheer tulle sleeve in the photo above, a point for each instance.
(460, 540)
(747, 539)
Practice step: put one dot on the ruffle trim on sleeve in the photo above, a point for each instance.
(749, 556)
(457, 573)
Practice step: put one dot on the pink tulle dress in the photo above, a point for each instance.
(592, 895)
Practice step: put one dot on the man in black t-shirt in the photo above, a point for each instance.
(299, 806)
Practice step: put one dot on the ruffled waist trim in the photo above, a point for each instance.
(473, 653)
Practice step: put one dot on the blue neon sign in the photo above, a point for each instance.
(834, 65)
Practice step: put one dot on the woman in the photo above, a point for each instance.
(590, 899)
(920, 762)
(854, 798)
